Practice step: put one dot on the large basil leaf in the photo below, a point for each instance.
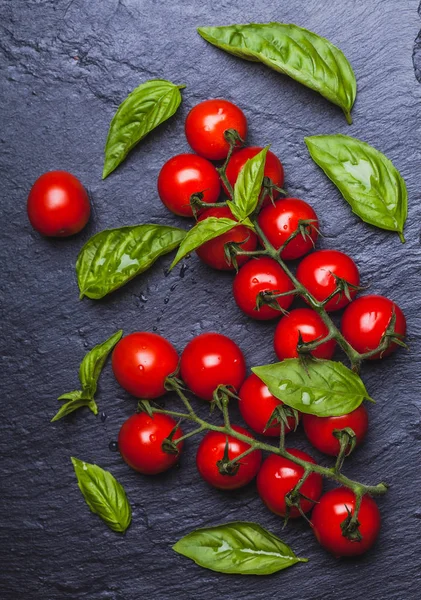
(366, 178)
(240, 548)
(248, 185)
(321, 387)
(301, 54)
(146, 107)
(104, 495)
(113, 257)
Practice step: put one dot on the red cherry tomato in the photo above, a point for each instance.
(213, 253)
(278, 476)
(206, 124)
(140, 442)
(317, 273)
(332, 510)
(279, 220)
(142, 361)
(209, 360)
(365, 321)
(307, 322)
(319, 430)
(261, 275)
(212, 450)
(58, 204)
(184, 175)
(257, 405)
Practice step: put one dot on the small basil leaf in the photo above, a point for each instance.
(93, 362)
(322, 387)
(248, 185)
(104, 495)
(146, 107)
(113, 257)
(75, 404)
(366, 178)
(301, 54)
(240, 548)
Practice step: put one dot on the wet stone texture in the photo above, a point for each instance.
(65, 66)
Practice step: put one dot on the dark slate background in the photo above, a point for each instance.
(65, 67)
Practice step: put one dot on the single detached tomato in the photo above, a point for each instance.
(365, 321)
(212, 450)
(261, 275)
(332, 510)
(257, 405)
(206, 124)
(278, 222)
(278, 476)
(140, 442)
(213, 252)
(58, 204)
(317, 273)
(185, 175)
(307, 322)
(209, 360)
(141, 363)
(319, 430)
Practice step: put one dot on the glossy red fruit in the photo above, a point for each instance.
(307, 322)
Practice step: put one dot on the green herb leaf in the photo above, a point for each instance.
(322, 387)
(240, 548)
(104, 495)
(301, 54)
(113, 257)
(74, 404)
(146, 107)
(366, 178)
(248, 185)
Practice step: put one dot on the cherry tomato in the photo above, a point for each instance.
(142, 361)
(332, 510)
(307, 322)
(278, 476)
(319, 430)
(140, 442)
(58, 204)
(279, 220)
(206, 123)
(213, 253)
(184, 175)
(317, 273)
(212, 450)
(209, 360)
(365, 321)
(257, 405)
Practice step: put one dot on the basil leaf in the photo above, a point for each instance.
(113, 257)
(203, 232)
(248, 185)
(301, 54)
(240, 548)
(322, 387)
(146, 107)
(104, 495)
(74, 404)
(366, 178)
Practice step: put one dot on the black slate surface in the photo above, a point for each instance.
(65, 66)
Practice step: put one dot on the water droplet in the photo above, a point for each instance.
(141, 368)
(255, 280)
(152, 437)
(183, 270)
(85, 344)
(142, 297)
(158, 319)
(154, 328)
(173, 287)
(113, 446)
(103, 416)
(166, 300)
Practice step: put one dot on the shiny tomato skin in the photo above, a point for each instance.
(307, 322)
(58, 204)
(206, 123)
(209, 360)
(211, 450)
(213, 254)
(319, 430)
(278, 476)
(279, 220)
(185, 175)
(331, 511)
(316, 272)
(261, 275)
(365, 321)
(141, 363)
(256, 406)
(140, 442)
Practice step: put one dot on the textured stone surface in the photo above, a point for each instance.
(65, 66)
